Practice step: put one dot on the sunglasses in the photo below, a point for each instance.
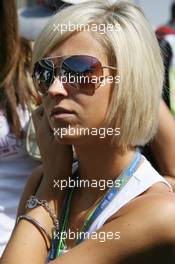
(77, 71)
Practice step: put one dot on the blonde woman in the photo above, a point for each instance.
(131, 221)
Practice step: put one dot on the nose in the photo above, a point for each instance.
(57, 88)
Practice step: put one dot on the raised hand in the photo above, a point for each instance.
(56, 157)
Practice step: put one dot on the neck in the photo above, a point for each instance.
(101, 162)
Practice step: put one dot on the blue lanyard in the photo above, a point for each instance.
(56, 242)
(113, 191)
(108, 197)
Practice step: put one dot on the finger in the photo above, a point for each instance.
(37, 114)
(41, 122)
(46, 126)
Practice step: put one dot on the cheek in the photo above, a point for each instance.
(95, 107)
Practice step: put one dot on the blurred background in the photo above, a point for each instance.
(21, 3)
(157, 11)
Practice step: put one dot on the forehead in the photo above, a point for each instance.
(82, 43)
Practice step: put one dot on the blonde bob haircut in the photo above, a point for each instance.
(134, 104)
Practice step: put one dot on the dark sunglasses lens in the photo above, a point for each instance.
(43, 75)
(83, 71)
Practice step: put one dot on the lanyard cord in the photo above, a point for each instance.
(61, 245)
(86, 221)
(57, 243)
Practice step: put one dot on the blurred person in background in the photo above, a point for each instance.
(171, 23)
(161, 151)
(18, 30)
(169, 28)
(166, 38)
(16, 97)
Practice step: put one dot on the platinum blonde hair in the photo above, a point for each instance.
(134, 104)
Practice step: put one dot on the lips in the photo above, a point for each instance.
(61, 110)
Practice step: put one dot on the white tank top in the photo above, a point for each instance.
(144, 177)
(141, 180)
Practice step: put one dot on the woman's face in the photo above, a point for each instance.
(87, 108)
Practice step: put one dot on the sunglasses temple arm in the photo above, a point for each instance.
(109, 67)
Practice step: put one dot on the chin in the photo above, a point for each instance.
(67, 139)
(73, 140)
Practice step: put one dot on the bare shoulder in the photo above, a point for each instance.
(147, 228)
(154, 213)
